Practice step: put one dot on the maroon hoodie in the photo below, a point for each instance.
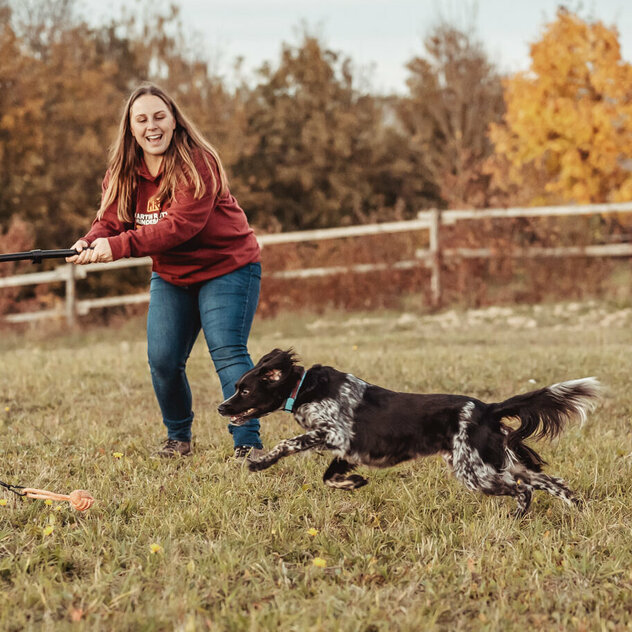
(188, 240)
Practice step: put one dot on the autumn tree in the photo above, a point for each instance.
(63, 85)
(61, 100)
(313, 152)
(568, 125)
(454, 94)
(20, 129)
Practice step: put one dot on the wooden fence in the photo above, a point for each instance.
(431, 257)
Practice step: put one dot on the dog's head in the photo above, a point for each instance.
(264, 388)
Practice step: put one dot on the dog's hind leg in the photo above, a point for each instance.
(555, 486)
(523, 495)
(476, 475)
(336, 475)
(506, 484)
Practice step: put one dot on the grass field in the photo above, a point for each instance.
(201, 543)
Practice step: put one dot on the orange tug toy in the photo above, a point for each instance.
(80, 499)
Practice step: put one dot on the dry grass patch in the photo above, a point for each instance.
(203, 544)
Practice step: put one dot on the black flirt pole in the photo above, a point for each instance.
(36, 256)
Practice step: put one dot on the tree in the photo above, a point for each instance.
(19, 113)
(58, 101)
(455, 93)
(63, 85)
(313, 152)
(568, 123)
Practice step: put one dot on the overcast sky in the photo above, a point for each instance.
(380, 36)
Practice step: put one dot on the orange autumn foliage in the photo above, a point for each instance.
(568, 123)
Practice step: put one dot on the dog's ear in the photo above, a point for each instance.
(277, 365)
(273, 375)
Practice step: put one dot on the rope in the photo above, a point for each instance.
(80, 499)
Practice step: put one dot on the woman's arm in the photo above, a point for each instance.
(90, 247)
(185, 217)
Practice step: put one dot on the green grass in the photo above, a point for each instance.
(411, 551)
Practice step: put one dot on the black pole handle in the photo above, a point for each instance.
(36, 256)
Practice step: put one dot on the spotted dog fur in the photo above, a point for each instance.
(364, 424)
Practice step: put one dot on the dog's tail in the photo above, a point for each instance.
(545, 412)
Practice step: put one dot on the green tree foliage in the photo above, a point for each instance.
(455, 93)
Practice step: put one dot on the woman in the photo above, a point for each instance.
(165, 195)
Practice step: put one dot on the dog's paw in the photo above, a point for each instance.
(358, 481)
(352, 481)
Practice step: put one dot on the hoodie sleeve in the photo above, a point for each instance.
(109, 224)
(186, 217)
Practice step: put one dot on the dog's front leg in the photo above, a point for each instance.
(337, 475)
(286, 447)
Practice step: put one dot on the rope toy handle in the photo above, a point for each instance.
(80, 499)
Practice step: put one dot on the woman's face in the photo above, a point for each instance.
(152, 124)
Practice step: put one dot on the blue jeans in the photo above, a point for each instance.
(223, 308)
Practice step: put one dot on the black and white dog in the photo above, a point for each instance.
(369, 425)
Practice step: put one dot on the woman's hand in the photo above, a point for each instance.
(81, 246)
(98, 252)
(101, 251)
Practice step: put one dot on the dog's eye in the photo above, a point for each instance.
(244, 391)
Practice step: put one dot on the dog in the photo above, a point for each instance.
(364, 424)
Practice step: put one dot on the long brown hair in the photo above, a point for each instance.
(178, 165)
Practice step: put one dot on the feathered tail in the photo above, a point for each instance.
(545, 412)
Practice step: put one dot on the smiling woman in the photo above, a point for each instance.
(152, 127)
(165, 195)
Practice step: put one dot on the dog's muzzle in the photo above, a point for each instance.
(242, 418)
(237, 419)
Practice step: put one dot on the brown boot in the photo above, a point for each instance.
(243, 452)
(174, 448)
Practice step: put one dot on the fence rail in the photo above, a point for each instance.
(431, 257)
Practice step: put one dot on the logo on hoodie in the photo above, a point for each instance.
(152, 215)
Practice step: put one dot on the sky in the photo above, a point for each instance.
(380, 36)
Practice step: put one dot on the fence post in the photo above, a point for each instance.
(435, 258)
(71, 308)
